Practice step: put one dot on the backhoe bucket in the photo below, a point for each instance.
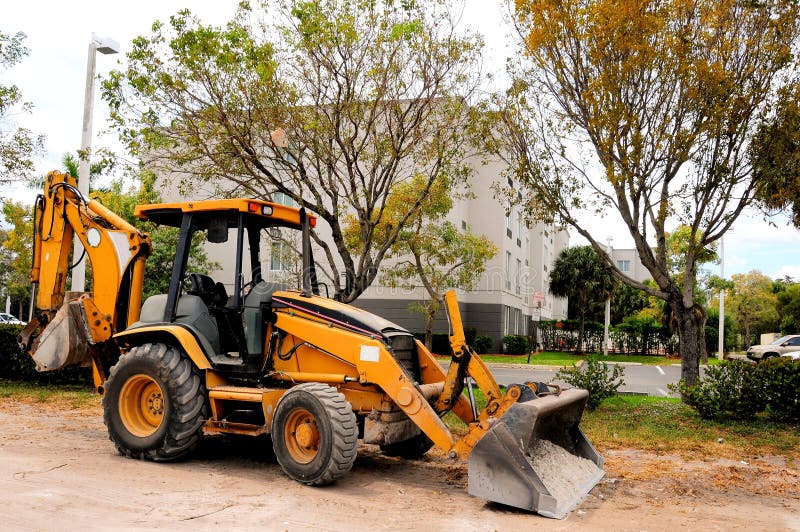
(63, 342)
(536, 457)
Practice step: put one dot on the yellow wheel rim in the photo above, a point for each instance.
(301, 436)
(141, 405)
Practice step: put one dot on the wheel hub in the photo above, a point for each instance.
(141, 405)
(302, 436)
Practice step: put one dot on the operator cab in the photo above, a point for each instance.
(227, 314)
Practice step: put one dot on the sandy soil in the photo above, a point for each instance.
(59, 470)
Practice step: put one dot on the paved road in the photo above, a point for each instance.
(649, 380)
(639, 379)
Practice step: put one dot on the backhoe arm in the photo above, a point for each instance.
(117, 252)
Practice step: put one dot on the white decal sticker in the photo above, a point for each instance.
(370, 353)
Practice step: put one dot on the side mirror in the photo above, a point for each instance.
(218, 230)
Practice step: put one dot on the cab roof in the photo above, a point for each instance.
(273, 214)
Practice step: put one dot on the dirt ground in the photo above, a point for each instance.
(59, 470)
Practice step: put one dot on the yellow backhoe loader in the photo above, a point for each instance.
(253, 357)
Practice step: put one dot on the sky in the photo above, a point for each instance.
(53, 76)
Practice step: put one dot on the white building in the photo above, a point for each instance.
(512, 291)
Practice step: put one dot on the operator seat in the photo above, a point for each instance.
(256, 307)
(203, 286)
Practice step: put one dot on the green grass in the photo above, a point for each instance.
(554, 358)
(666, 424)
(76, 396)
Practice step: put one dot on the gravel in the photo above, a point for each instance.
(562, 473)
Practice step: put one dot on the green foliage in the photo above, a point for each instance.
(515, 344)
(430, 251)
(789, 308)
(122, 200)
(15, 253)
(712, 332)
(753, 304)
(593, 375)
(17, 145)
(626, 301)
(781, 388)
(775, 152)
(16, 365)
(740, 390)
(728, 390)
(580, 274)
(483, 344)
(665, 98)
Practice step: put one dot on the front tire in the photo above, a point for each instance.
(314, 434)
(154, 404)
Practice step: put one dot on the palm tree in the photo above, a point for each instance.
(580, 274)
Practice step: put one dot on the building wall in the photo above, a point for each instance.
(627, 260)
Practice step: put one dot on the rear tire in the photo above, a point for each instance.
(414, 447)
(314, 434)
(154, 404)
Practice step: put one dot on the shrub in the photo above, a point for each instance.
(781, 378)
(16, 365)
(594, 377)
(515, 345)
(483, 344)
(740, 390)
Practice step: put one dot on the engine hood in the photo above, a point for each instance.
(347, 316)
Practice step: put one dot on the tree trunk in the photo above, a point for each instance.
(702, 318)
(430, 317)
(689, 346)
(581, 319)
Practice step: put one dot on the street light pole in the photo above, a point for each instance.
(104, 46)
(607, 322)
(721, 346)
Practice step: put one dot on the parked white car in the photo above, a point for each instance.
(9, 319)
(785, 346)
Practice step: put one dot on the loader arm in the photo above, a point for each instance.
(74, 325)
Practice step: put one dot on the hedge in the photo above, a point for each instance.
(17, 365)
(740, 390)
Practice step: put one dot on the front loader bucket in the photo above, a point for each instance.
(536, 457)
(63, 342)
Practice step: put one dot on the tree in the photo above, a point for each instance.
(776, 150)
(17, 144)
(580, 274)
(122, 201)
(15, 255)
(430, 251)
(789, 308)
(753, 304)
(331, 102)
(626, 301)
(646, 110)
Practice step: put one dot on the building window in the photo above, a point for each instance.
(281, 256)
(283, 199)
(518, 274)
(508, 224)
(508, 270)
(624, 265)
(463, 225)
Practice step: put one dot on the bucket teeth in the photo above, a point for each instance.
(535, 457)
